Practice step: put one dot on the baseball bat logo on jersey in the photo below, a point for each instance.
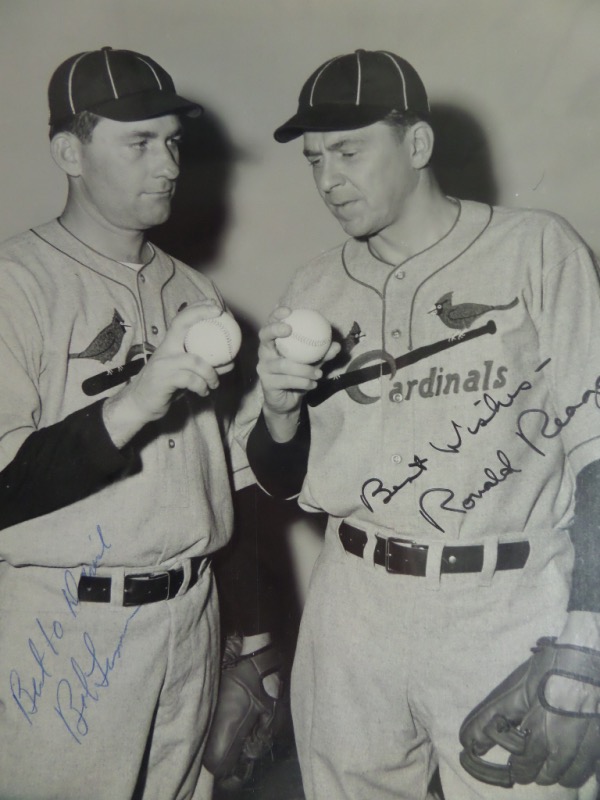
(357, 374)
(103, 348)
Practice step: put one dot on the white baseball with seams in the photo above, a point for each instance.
(216, 340)
(310, 337)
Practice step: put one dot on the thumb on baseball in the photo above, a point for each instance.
(332, 352)
(275, 328)
(195, 312)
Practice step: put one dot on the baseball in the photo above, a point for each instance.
(216, 340)
(310, 337)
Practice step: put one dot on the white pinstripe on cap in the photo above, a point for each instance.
(353, 90)
(118, 84)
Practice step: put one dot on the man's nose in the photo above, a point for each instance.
(330, 176)
(168, 163)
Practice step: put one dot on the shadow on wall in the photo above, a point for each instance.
(199, 221)
(461, 159)
(200, 211)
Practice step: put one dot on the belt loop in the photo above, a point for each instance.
(369, 551)
(117, 586)
(490, 559)
(204, 565)
(335, 526)
(433, 565)
(186, 566)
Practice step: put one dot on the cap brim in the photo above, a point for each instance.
(146, 105)
(335, 117)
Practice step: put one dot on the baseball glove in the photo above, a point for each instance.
(546, 714)
(246, 715)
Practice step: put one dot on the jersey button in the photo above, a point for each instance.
(143, 278)
(171, 443)
(396, 334)
(154, 329)
(452, 560)
(396, 458)
(400, 274)
(397, 397)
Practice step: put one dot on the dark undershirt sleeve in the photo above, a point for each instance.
(585, 535)
(280, 468)
(58, 465)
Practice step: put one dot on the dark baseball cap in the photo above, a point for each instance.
(355, 90)
(117, 84)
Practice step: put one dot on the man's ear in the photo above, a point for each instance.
(66, 152)
(422, 140)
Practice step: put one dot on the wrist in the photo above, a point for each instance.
(282, 426)
(123, 418)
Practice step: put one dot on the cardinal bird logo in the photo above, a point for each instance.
(462, 316)
(105, 345)
(353, 338)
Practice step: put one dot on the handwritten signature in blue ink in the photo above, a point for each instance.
(75, 695)
(29, 697)
(26, 692)
(69, 590)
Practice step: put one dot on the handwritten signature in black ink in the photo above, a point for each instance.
(373, 487)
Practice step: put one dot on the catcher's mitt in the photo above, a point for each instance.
(546, 714)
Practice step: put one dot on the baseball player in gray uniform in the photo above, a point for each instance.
(454, 442)
(114, 482)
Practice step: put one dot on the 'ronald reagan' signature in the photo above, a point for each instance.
(531, 425)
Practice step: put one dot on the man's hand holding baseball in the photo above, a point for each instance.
(170, 370)
(284, 381)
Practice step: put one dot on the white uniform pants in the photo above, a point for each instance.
(100, 701)
(387, 667)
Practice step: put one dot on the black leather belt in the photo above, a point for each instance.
(145, 587)
(403, 557)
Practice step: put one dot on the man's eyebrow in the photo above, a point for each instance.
(339, 145)
(349, 142)
(147, 134)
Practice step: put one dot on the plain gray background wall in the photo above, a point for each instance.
(527, 71)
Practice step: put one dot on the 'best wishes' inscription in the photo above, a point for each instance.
(531, 425)
(44, 685)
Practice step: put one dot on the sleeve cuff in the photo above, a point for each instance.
(280, 468)
(58, 465)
